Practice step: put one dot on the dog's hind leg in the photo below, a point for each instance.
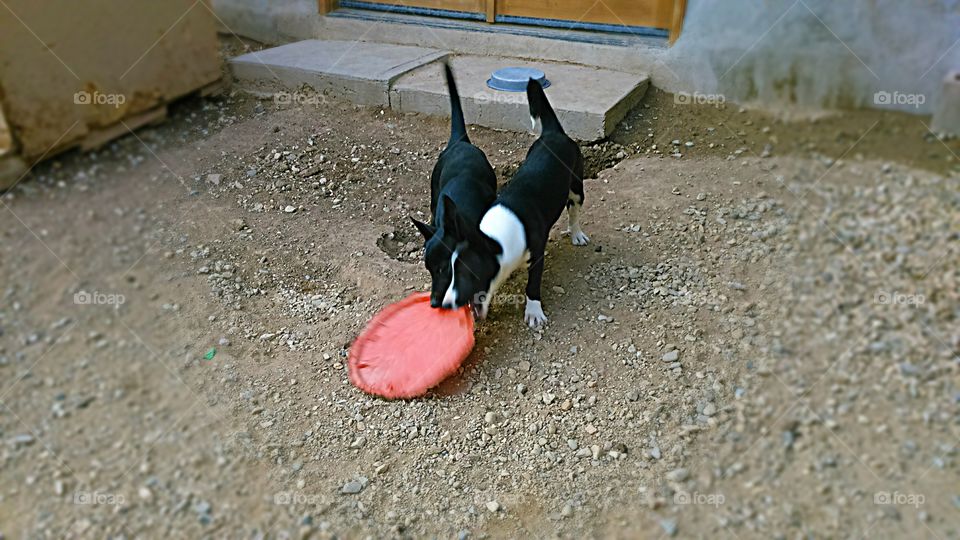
(574, 203)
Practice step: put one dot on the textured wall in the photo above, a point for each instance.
(810, 53)
(69, 69)
(820, 53)
(269, 21)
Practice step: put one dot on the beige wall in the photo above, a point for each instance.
(58, 57)
(771, 53)
(820, 53)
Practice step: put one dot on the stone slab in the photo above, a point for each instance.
(359, 72)
(589, 101)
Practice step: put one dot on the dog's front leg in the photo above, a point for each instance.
(533, 313)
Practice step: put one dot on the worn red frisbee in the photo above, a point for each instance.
(410, 347)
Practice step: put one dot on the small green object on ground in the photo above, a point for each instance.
(211, 353)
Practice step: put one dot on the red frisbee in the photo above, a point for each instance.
(410, 347)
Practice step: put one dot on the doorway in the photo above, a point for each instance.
(639, 17)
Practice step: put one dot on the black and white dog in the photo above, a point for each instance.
(462, 187)
(515, 229)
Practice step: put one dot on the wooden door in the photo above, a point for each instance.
(644, 13)
(477, 7)
(605, 15)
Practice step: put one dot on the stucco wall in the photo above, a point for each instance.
(269, 21)
(68, 73)
(820, 53)
(809, 53)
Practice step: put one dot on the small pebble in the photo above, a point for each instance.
(352, 487)
(669, 526)
(678, 475)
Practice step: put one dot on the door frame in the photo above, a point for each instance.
(679, 12)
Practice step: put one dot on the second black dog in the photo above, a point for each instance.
(462, 188)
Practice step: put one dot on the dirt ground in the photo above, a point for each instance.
(761, 340)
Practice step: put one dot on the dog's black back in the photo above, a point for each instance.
(539, 191)
(463, 185)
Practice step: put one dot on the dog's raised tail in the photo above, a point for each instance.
(458, 128)
(540, 107)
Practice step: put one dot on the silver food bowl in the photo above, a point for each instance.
(514, 79)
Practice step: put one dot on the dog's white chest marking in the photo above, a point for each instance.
(501, 224)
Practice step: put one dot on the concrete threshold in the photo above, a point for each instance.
(356, 71)
(293, 20)
(589, 101)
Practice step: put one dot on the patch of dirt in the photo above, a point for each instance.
(755, 346)
(402, 245)
(600, 156)
(596, 157)
(661, 126)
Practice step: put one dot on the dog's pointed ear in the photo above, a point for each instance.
(426, 230)
(451, 218)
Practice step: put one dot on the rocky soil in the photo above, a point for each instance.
(759, 342)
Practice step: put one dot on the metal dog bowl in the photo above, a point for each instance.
(514, 79)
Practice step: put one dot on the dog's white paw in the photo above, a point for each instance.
(533, 314)
(579, 238)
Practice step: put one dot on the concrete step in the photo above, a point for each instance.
(589, 101)
(356, 71)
